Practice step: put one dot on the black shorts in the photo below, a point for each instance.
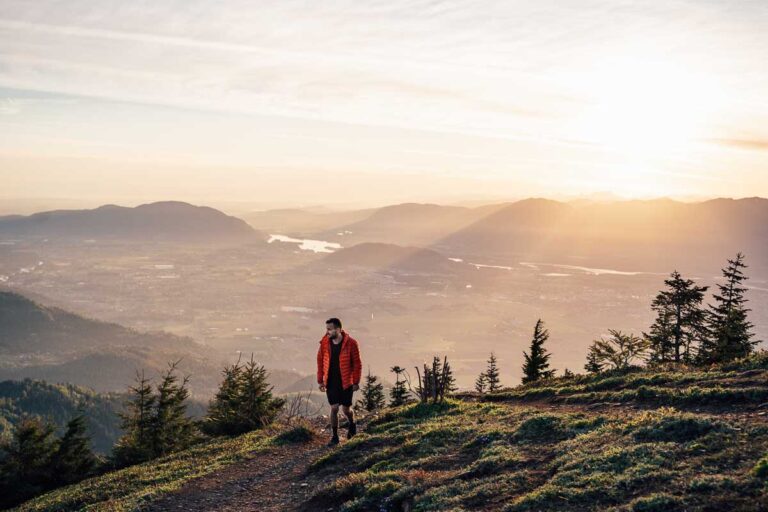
(337, 395)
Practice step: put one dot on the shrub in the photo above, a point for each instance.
(669, 426)
(542, 428)
(657, 503)
(761, 468)
(298, 434)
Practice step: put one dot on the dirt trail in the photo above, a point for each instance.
(273, 481)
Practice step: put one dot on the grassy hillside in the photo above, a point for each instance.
(638, 441)
(484, 456)
(743, 383)
(136, 486)
(526, 450)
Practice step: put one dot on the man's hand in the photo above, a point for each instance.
(322, 388)
(355, 387)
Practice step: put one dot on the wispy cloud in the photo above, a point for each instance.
(748, 144)
(418, 82)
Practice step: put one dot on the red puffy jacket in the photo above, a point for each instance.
(349, 361)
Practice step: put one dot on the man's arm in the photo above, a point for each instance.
(357, 364)
(320, 365)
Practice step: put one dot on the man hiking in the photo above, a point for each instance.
(338, 374)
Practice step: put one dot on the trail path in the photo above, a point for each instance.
(276, 480)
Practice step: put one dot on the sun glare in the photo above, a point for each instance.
(647, 109)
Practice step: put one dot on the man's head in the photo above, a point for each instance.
(333, 327)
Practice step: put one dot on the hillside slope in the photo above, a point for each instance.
(48, 343)
(59, 403)
(381, 257)
(637, 235)
(515, 451)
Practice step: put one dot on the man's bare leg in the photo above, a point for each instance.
(335, 421)
(351, 427)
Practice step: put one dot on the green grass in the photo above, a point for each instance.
(488, 456)
(134, 486)
(741, 382)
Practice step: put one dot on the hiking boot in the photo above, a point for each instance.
(334, 441)
(351, 430)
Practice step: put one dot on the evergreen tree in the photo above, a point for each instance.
(480, 383)
(223, 410)
(661, 337)
(619, 350)
(136, 444)
(449, 379)
(425, 383)
(244, 401)
(567, 373)
(398, 395)
(25, 461)
(259, 406)
(372, 394)
(74, 460)
(730, 331)
(492, 375)
(172, 430)
(680, 323)
(435, 375)
(536, 364)
(593, 366)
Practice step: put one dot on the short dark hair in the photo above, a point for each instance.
(335, 321)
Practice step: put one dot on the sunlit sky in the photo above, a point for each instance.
(332, 102)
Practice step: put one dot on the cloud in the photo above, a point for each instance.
(748, 144)
(9, 106)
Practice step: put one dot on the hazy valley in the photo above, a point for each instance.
(408, 281)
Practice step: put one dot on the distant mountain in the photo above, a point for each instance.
(49, 343)
(391, 257)
(59, 403)
(303, 222)
(162, 221)
(409, 224)
(653, 235)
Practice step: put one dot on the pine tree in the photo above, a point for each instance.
(244, 401)
(730, 331)
(480, 383)
(172, 430)
(619, 351)
(536, 364)
(567, 373)
(258, 406)
(661, 338)
(492, 375)
(593, 366)
(449, 380)
(436, 374)
(398, 395)
(136, 444)
(74, 460)
(25, 461)
(680, 323)
(372, 394)
(223, 409)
